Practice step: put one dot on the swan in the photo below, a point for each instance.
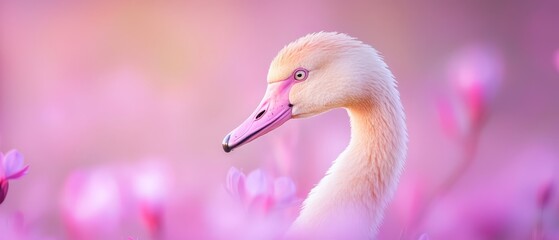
(323, 71)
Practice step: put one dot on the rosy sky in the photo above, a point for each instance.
(107, 90)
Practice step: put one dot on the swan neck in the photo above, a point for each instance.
(363, 131)
(363, 178)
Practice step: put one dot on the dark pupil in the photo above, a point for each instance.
(299, 75)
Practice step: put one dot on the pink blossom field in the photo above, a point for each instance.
(112, 116)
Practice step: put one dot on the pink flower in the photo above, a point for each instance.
(475, 74)
(150, 185)
(259, 192)
(235, 183)
(11, 168)
(545, 193)
(92, 205)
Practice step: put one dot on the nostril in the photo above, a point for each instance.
(260, 114)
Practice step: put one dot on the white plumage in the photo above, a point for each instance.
(345, 73)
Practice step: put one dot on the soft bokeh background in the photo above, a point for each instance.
(120, 108)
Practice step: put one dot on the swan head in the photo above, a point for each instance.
(316, 73)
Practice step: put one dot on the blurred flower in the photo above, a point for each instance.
(475, 74)
(544, 194)
(235, 183)
(265, 206)
(11, 168)
(3, 190)
(150, 184)
(91, 204)
(260, 192)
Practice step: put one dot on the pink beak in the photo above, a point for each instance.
(272, 112)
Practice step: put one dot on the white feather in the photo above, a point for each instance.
(349, 202)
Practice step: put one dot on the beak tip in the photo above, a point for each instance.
(225, 144)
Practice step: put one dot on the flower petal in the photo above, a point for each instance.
(3, 190)
(13, 163)
(235, 182)
(18, 174)
(284, 190)
(258, 183)
(2, 171)
(261, 204)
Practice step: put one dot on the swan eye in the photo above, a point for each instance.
(300, 75)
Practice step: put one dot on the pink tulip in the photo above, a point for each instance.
(91, 204)
(11, 168)
(284, 190)
(266, 206)
(475, 74)
(235, 183)
(545, 193)
(3, 190)
(150, 184)
(259, 191)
